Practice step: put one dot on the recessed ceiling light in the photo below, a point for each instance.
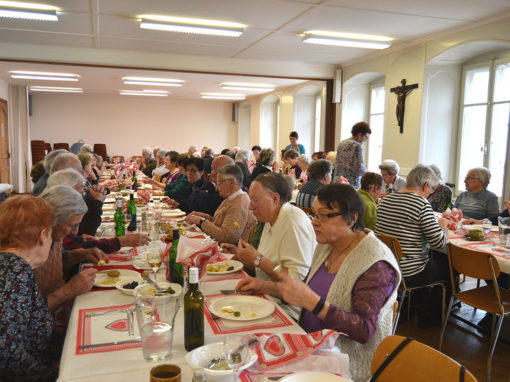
(54, 89)
(246, 86)
(150, 93)
(152, 81)
(223, 96)
(28, 11)
(190, 25)
(44, 76)
(353, 40)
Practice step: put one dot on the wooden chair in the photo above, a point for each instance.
(416, 362)
(117, 158)
(490, 298)
(64, 146)
(396, 315)
(100, 149)
(394, 245)
(38, 149)
(47, 146)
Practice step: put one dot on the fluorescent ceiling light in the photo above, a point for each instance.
(224, 96)
(54, 89)
(152, 81)
(28, 11)
(246, 86)
(44, 76)
(353, 40)
(150, 93)
(190, 25)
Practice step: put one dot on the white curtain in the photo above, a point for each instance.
(19, 138)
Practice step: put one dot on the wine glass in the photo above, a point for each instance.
(154, 258)
(235, 350)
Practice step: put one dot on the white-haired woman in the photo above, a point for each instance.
(392, 182)
(148, 162)
(408, 216)
(242, 160)
(477, 202)
(303, 161)
(441, 198)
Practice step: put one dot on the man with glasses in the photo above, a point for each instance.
(477, 202)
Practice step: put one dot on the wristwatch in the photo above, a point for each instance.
(257, 260)
(201, 221)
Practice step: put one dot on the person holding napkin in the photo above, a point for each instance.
(233, 219)
(352, 283)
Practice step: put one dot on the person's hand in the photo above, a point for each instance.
(96, 192)
(246, 252)
(170, 202)
(229, 248)
(87, 237)
(83, 281)
(134, 240)
(471, 221)
(443, 223)
(192, 219)
(507, 205)
(250, 285)
(93, 255)
(296, 292)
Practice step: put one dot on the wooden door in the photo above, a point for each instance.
(4, 143)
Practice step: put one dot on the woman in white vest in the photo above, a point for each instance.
(352, 284)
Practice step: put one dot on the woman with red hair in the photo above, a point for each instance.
(25, 321)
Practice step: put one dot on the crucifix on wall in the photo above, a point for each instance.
(402, 92)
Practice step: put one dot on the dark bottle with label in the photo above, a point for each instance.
(176, 270)
(131, 211)
(120, 219)
(193, 313)
(134, 186)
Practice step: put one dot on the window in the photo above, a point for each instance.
(485, 115)
(376, 121)
(269, 122)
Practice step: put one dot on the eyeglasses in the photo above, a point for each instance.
(73, 227)
(222, 181)
(470, 178)
(324, 217)
(192, 170)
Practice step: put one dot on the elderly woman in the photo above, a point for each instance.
(194, 169)
(148, 162)
(349, 156)
(174, 173)
(264, 163)
(287, 237)
(48, 160)
(370, 191)
(319, 174)
(352, 283)
(160, 169)
(291, 157)
(392, 181)
(408, 216)
(441, 198)
(25, 321)
(243, 160)
(303, 162)
(293, 138)
(69, 208)
(233, 219)
(86, 162)
(477, 202)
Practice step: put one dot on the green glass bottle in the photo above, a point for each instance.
(134, 186)
(193, 313)
(131, 212)
(176, 270)
(119, 219)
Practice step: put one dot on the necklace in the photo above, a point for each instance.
(351, 243)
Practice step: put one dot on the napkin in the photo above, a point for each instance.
(343, 180)
(454, 217)
(198, 253)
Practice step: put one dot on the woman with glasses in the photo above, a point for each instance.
(352, 283)
(477, 202)
(25, 321)
(408, 216)
(233, 219)
(349, 156)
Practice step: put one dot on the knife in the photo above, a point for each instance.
(230, 291)
(91, 346)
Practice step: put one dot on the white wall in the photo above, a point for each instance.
(3, 90)
(125, 124)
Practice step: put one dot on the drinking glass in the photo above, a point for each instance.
(153, 258)
(235, 350)
(487, 226)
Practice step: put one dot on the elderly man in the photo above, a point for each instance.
(477, 202)
(233, 219)
(48, 159)
(208, 199)
(208, 158)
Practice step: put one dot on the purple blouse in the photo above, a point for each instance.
(173, 177)
(369, 294)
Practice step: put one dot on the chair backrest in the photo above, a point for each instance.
(416, 362)
(117, 158)
(393, 243)
(64, 146)
(38, 149)
(100, 149)
(395, 317)
(473, 263)
(47, 147)
(138, 159)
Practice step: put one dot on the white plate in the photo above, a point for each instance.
(102, 279)
(307, 376)
(250, 307)
(173, 213)
(232, 263)
(108, 207)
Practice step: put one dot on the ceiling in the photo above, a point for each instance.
(271, 37)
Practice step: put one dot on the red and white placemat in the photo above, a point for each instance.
(495, 249)
(224, 326)
(104, 329)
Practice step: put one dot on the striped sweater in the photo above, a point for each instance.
(409, 218)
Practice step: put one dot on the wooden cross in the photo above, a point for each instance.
(401, 92)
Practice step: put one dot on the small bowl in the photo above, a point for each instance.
(199, 357)
(130, 292)
(176, 287)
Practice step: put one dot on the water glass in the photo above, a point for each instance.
(235, 350)
(487, 226)
(504, 230)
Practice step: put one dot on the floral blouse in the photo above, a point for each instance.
(25, 324)
(349, 162)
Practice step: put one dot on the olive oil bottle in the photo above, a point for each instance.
(193, 313)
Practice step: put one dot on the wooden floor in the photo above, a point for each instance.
(465, 344)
